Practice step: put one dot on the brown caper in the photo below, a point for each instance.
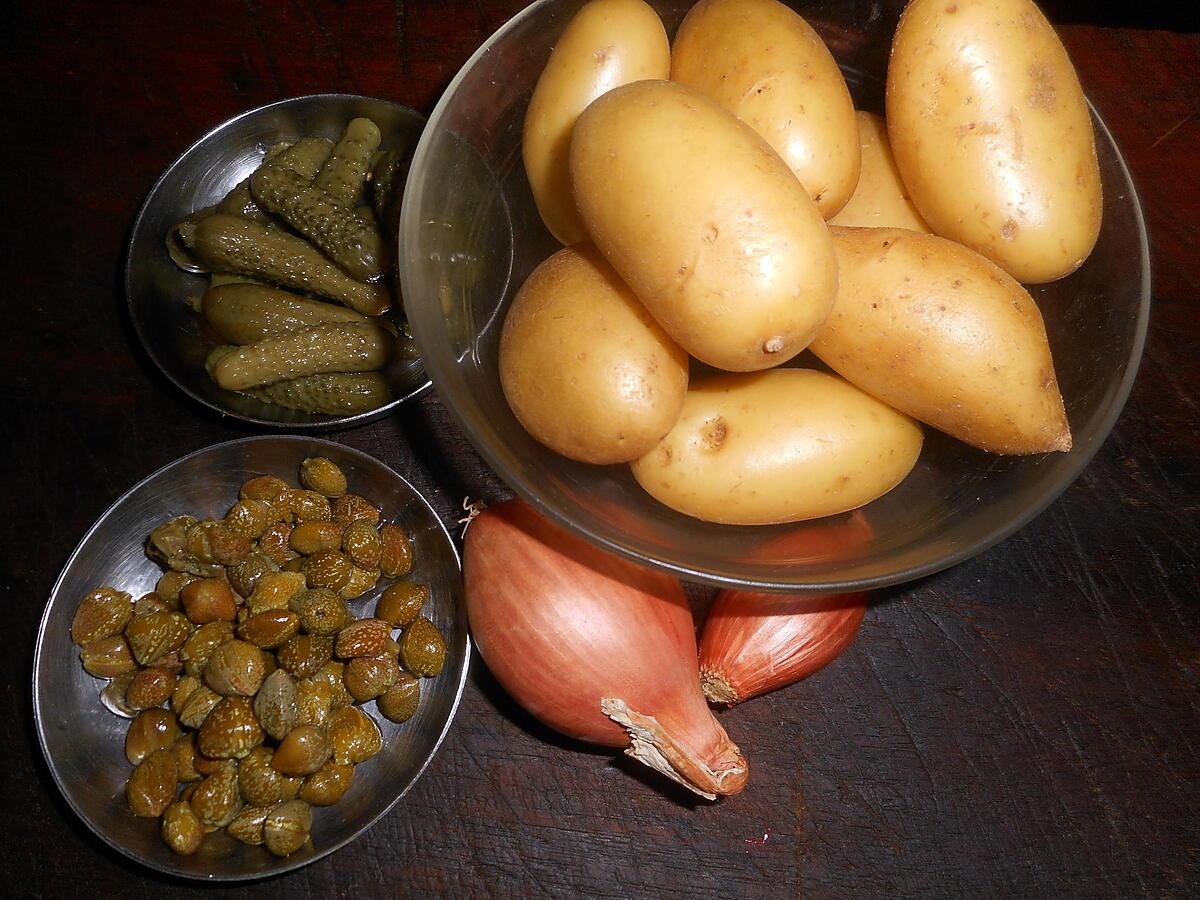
(270, 628)
(149, 603)
(230, 731)
(400, 701)
(360, 581)
(186, 755)
(170, 584)
(333, 672)
(350, 508)
(150, 687)
(402, 603)
(247, 826)
(287, 827)
(108, 657)
(216, 799)
(305, 654)
(156, 634)
(274, 590)
(167, 543)
(328, 569)
(275, 704)
(184, 688)
(235, 667)
(217, 543)
(321, 611)
(295, 565)
(112, 695)
(308, 506)
(171, 663)
(323, 476)
(369, 676)
(208, 600)
(275, 544)
(198, 649)
(150, 730)
(198, 705)
(326, 786)
(249, 518)
(102, 613)
(152, 785)
(364, 637)
(303, 751)
(181, 829)
(265, 488)
(308, 538)
(422, 648)
(261, 784)
(353, 735)
(395, 554)
(314, 700)
(363, 544)
(244, 576)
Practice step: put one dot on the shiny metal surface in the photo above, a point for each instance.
(156, 288)
(83, 741)
(470, 234)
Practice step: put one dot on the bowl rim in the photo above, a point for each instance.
(331, 423)
(43, 624)
(530, 490)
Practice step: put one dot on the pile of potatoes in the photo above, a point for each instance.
(722, 199)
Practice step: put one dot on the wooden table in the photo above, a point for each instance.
(1025, 724)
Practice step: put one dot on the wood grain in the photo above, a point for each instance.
(1025, 724)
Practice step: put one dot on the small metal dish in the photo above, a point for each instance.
(84, 743)
(156, 289)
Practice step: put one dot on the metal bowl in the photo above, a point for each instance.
(471, 234)
(84, 743)
(156, 288)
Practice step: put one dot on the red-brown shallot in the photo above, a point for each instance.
(596, 647)
(754, 643)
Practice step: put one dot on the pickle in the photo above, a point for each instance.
(233, 244)
(333, 393)
(305, 157)
(387, 183)
(345, 172)
(349, 347)
(247, 313)
(339, 232)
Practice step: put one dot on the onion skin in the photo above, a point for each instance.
(568, 628)
(754, 642)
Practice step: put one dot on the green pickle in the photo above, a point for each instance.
(248, 313)
(234, 244)
(339, 232)
(344, 347)
(345, 173)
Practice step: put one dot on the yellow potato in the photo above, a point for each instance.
(778, 446)
(608, 43)
(705, 222)
(992, 134)
(766, 65)
(940, 333)
(880, 200)
(584, 367)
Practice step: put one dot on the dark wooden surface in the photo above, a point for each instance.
(1025, 724)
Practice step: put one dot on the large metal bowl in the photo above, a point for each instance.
(471, 234)
(156, 289)
(84, 743)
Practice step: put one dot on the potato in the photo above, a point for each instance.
(609, 42)
(586, 370)
(992, 134)
(765, 64)
(880, 200)
(778, 446)
(705, 223)
(938, 332)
